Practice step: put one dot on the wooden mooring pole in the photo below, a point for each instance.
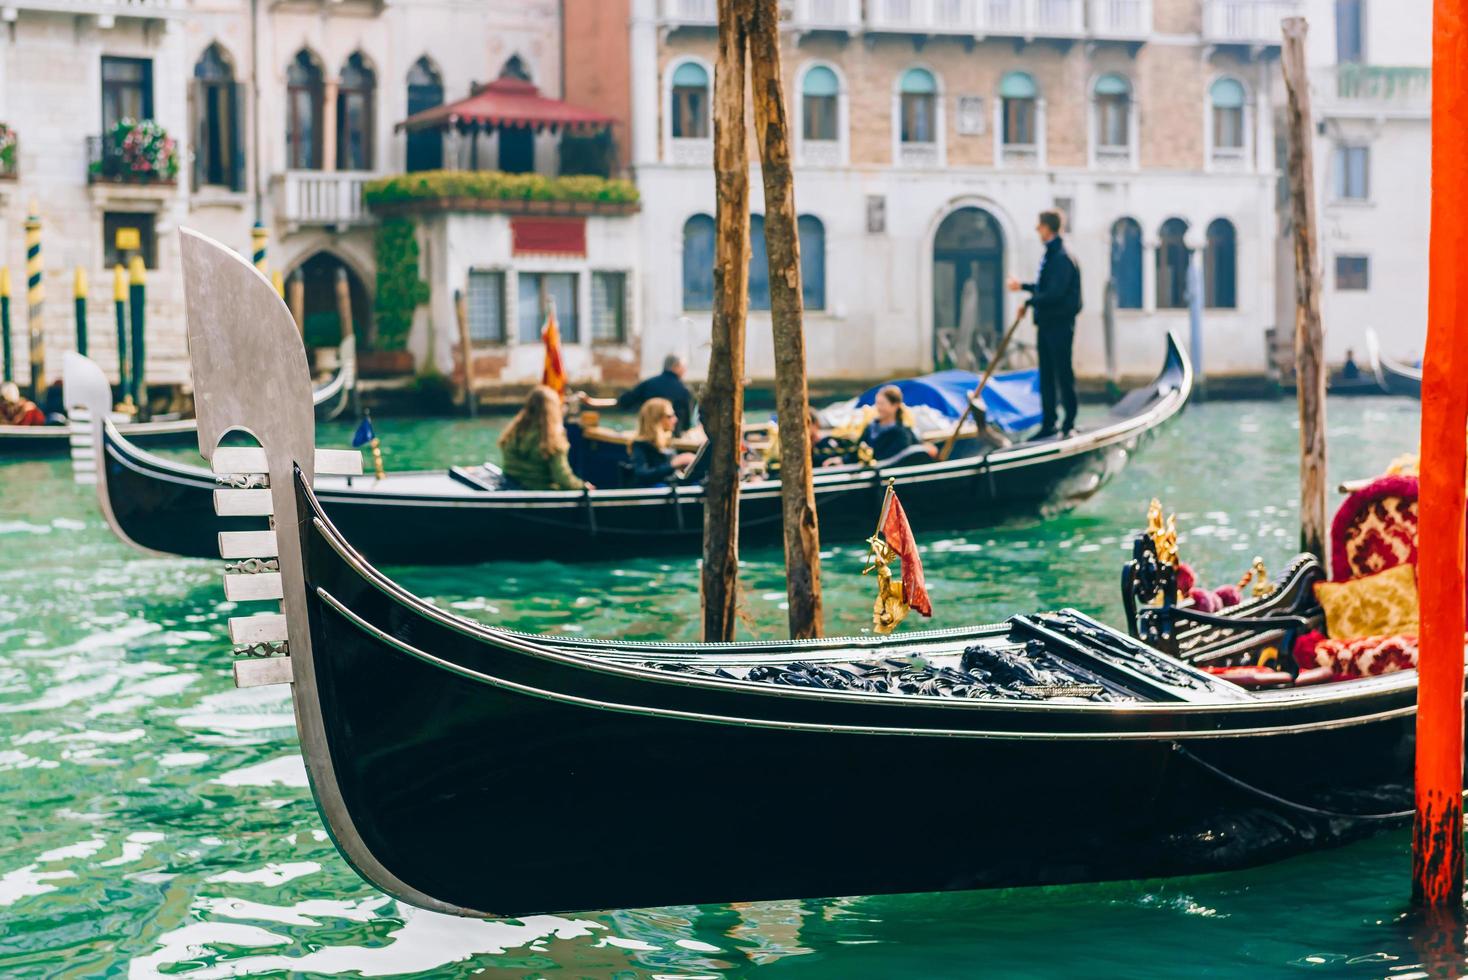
(1437, 833)
(1309, 340)
(782, 245)
(723, 400)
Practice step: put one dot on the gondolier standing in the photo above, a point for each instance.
(1056, 299)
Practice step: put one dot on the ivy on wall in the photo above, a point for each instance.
(399, 290)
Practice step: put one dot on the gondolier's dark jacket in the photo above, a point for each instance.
(1055, 296)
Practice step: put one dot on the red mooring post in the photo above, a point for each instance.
(1437, 837)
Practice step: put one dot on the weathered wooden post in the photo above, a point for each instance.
(297, 290)
(79, 300)
(137, 302)
(35, 304)
(1437, 833)
(278, 281)
(344, 305)
(5, 351)
(723, 400)
(466, 351)
(119, 309)
(782, 245)
(1309, 342)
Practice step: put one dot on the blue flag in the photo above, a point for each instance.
(364, 434)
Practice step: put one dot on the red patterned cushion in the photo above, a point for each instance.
(1367, 656)
(1375, 529)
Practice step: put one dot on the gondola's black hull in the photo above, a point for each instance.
(176, 516)
(169, 508)
(469, 787)
(1398, 380)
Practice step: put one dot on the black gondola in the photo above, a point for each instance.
(1393, 377)
(457, 517)
(330, 400)
(481, 771)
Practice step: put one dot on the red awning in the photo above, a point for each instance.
(508, 103)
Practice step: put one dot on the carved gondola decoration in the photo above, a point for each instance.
(460, 515)
(481, 771)
(1393, 377)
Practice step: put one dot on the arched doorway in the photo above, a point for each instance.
(321, 323)
(968, 289)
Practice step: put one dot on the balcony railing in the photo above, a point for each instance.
(317, 197)
(1027, 18)
(827, 15)
(1121, 19)
(1251, 22)
(697, 12)
(1373, 90)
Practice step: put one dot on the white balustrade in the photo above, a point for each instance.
(319, 197)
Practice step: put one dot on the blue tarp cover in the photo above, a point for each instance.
(1011, 399)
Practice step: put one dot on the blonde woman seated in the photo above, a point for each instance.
(653, 461)
(536, 453)
(889, 434)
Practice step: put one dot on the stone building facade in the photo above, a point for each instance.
(221, 77)
(942, 127)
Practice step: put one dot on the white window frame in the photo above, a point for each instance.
(940, 123)
(1341, 200)
(1040, 144)
(1133, 123)
(628, 292)
(822, 153)
(686, 150)
(1228, 159)
(504, 272)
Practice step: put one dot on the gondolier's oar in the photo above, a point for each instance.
(975, 400)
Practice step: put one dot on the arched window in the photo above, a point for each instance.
(425, 91)
(919, 106)
(819, 92)
(698, 263)
(1019, 96)
(219, 154)
(1126, 263)
(303, 113)
(515, 68)
(1172, 265)
(812, 261)
(690, 108)
(354, 115)
(1220, 267)
(1227, 98)
(1113, 116)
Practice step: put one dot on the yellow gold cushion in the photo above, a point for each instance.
(1384, 604)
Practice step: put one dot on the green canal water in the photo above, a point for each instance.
(157, 822)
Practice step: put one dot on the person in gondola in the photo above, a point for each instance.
(888, 434)
(822, 447)
(15, 410)
(667, 385)
(654, 463)
(1350, 371)
(536, 452)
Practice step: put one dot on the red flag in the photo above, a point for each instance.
(553, 376)
(899, 536)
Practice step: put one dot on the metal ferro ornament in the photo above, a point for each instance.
(889, 609)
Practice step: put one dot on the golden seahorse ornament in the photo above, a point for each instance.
(889, 609)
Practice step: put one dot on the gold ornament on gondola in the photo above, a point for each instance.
(1163, 534)
(889, 609)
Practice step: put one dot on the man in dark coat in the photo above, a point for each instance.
(1055, 298)
(667, 385)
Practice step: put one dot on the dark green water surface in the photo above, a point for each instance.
(156, 822)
